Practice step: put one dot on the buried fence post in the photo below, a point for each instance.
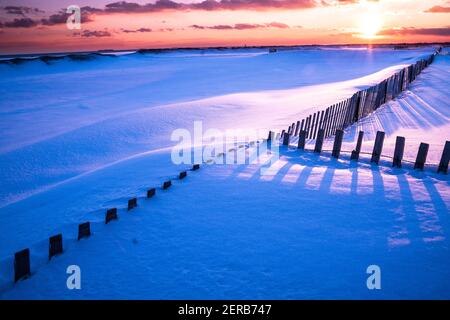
(111, 214)
(195, 167)
(286, 139)
(132, 203)
(337, 143)
(398, 152)
(302, 140)
(84, 230)
(21, 264)
(297, 127)
(355, 153)
(182, 175)
(443, 164)
(167, 184)
(271, 134)
(151, 192)
(55, 245)
(421, 156)
(319, 141)
(378, 146)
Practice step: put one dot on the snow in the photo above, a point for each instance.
(81, 137)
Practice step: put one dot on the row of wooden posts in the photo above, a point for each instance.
(362, 103)
(22, 268)
(377, 148)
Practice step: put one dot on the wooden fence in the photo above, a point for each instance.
(343, 114)
(376, 154)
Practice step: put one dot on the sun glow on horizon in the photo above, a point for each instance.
(370, 24)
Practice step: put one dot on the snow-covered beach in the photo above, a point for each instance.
(82, 136)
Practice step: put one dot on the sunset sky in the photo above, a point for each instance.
(28, 26)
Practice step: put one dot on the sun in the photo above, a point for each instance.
(370, 24)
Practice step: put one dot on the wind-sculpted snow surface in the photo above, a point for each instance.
(63, 119)
(308, 230)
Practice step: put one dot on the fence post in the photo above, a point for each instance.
(132, 203)
(337, 143)
(286, 139)
(421, 156)
(302, 140)
(84, 230)
(111, 214)
(55, 245)
(311, 133)
(319, 141)
(297, 127)
(21, 264)
(308, 126)
(398, 152)
(269, 138)
(378, 146)
(443, 164)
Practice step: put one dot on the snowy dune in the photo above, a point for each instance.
(70, 117)
(205, 238)
(84, 151)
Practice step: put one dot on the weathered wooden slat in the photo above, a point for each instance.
(297, 128)
(316, 125)
(311, 133)
(132, 203)
(337, 143)
(167, 184)
(151, 193)
(182, 175)
(326, 120)
(319, 141)
(286, 139)
(111, 214)
(398, 152)
(443, 164)
(55, 245)
(421, 156)
(378, 147)
(84, 230)
(302, 140)
(22, 264)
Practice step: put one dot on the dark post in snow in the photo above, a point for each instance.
(443, 164)
(398, 152)
(151, 193)
(271, 134)
(197, 166)
(319, 141)
(355, 153)
(21, 264)
(286, 139)
(182, 175)
(302, 140)
(421, 156)
(84, 230)
(378, 146)
(337, 143)
(167, 184)
(297, 127)
(111, 214)
(55, 245)
(132, 203)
